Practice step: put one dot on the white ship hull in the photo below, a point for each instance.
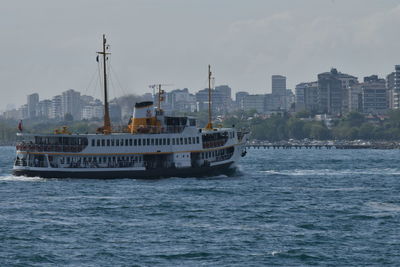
(226, 169)
(173, 156)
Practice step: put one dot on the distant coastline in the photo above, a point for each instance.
(381, 131)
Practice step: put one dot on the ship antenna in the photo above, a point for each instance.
(159, 97)
(107, 122)
(209, 125)
(161, 93)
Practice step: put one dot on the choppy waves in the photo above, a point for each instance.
(287, 208)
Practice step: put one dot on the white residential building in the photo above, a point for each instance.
(71, 103)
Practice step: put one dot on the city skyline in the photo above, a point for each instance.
(334, 93)
(245, 43)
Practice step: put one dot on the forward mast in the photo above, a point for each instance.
(107, 123)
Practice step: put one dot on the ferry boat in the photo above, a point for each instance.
(153, 145)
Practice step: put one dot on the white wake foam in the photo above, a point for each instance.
(21, 178)
(305, 172)
(382, 206)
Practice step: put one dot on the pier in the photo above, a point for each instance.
(324, 145)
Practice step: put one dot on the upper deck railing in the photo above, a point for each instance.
(49, 148)
(146, 129)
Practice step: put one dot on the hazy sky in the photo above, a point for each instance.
(49, 46)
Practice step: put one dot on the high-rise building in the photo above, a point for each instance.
(225, 90)
(56, 107)
(202, 100)
(23, 112)
(369, 97)
(355, 98)
(254, 102)
(219, 101)
(307, 96)
(333, 92)
(71, 103)
(279, 92)
(375, 96)
(347, 81)
(44, 109)
(179, 100)
(269, 103)
(278, 84)
(93, 110)
(32, 102)
(329, 93)
(239, 97)
(226, 93)
(393, 86)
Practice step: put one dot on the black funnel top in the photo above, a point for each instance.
(143, 104)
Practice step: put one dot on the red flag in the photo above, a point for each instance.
(20, 126)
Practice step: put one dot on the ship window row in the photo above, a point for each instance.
(219, 155)
(212, 154)
(87, 160)
(147, 141)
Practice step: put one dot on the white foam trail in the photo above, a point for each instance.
(303, 172)
(381, 206)
(21, 178)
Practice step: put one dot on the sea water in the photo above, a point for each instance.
(283, 208)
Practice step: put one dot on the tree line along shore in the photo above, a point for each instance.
(272, 128)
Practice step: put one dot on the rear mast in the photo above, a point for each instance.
(209, 124)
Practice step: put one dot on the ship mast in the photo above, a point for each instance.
(107, 122)
(209, 124)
